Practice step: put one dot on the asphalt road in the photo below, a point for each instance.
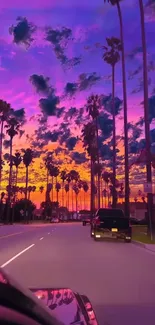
(119, 278)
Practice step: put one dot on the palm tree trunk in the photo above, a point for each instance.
(26, 182)
(62, 193)
(47, 179)
(52, 188)
(127, 207)
(92, 187)
(9, 185)
(76, 203)
(98, 158)
(114, 138)
(72, 199)
(68, 200)
(1, 149)
(147, 122)
(84, 203)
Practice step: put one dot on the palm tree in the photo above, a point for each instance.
(127, 194)
(146, 118)
(29, 190)
(74, 175)
(12, 127)
(80, 185)
(57, 187)
(76, 190)
(4, 112)
(92, 107)
(112, 56)
(67, 191)
(63, 175)
(54, 172)
(27, 160)
(17, 159)
(67, 187)
(48, 162)
(41, 189)
(89, 143)
(85, 189)
(106, 178)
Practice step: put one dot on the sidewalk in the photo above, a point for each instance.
(149, 247)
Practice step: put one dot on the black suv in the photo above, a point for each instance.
(111, 223)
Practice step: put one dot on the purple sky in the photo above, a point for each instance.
(91, 23)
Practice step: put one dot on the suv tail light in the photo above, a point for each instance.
(97, 221)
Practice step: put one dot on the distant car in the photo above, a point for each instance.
(55, 220)
(111, 223)
(85, 217)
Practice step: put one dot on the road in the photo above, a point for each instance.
(119, 278)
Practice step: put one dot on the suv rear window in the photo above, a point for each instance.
(110, 213)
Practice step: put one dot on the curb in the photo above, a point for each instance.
(143, 246)
(138, 243)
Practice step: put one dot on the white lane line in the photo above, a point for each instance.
(41, 238)
(14, 257)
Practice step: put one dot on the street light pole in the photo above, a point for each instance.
(146, 114)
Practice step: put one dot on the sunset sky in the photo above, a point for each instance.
(89, 22)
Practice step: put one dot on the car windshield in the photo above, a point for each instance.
(77, 136)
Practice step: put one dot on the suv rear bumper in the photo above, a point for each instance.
(107, 233)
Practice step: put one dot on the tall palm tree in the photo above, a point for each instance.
(57, 187)
(12, 127)
(41, 189)
(92, 107)
(4, 112)
(146, 118)
(112, 56)
(48, 162)
(127, 208)
(67, 191)
(76, 190)
(17, 159)
(67, 188)
(29, 190)
(89, 143)
(85, 189)
(74, 175)
(27, 160)
(54, 172)
(63, 175)
(106, 178)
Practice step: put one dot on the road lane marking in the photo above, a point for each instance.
(41, 238)
(14, 257)
(16, 233)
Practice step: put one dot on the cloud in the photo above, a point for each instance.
(20, 116)
(41, 83)
(105, 125)
(59, 39)
(134, 52)
(79, 158)
(84, 82)
(70, 89)
(107, 103)
(6, 144)
(105, 152)
(71, 113)
(23, 32)
(71, 142)
(49, 105)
